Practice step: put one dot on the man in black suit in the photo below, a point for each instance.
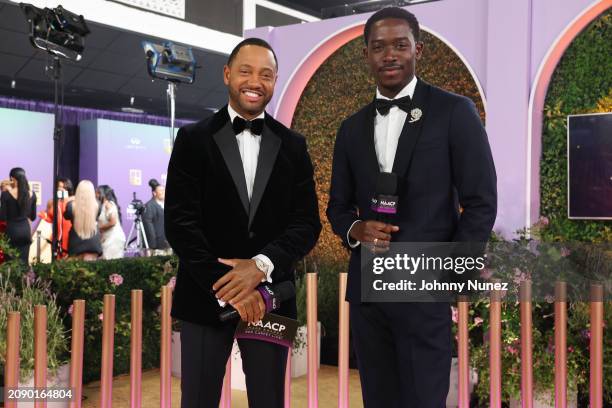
(241, 209)
(153, 217)
(435, 143)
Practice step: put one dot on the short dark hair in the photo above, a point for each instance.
(393, 12)
(251, 41)
(67, 185)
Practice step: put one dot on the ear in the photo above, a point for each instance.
(419, 49)
(226, 74)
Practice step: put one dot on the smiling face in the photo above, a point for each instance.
(392, 53)
(250, 80)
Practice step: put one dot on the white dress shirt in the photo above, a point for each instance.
(387, 130)
(248, 144)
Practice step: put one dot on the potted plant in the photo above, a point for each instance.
(22, 298)
(527, 258)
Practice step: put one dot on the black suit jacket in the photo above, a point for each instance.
(443, 160)
(153, 222)
(208, 214)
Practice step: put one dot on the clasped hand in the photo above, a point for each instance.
(237, 287)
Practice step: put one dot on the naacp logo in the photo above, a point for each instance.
(277, 327)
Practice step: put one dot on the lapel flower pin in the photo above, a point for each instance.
(415, 114)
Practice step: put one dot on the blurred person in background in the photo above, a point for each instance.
(65, 194)
(45, 227)
(153, 219)
(109, 222)
(18, 210)
(84, 238)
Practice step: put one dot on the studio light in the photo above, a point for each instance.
(57, 31)
(61, 34)
(170, 62)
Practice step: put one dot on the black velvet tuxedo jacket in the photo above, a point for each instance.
(208, 214)
(443, 161)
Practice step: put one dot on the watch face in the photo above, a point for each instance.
(261, 265)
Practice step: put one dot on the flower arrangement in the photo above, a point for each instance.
(526, 257)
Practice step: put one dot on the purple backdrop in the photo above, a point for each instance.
(27, 139)
(125, 156)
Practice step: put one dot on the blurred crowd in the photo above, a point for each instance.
(89, 221)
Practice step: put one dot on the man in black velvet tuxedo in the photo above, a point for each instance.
(435, 143)
(240, 209)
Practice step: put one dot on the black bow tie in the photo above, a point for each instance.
(383, 105)
(255, 125)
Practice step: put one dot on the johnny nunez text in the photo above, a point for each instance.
(405, 285)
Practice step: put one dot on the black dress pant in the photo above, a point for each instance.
(403, 353)
(204, 354)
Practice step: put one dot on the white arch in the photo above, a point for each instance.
(362, 22)
(532, 94)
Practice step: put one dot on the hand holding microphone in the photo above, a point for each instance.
(251, 308)
(375, 232)
(264, 299)
(384, 206)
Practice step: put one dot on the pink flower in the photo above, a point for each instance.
(486, 273)
(172, 282)
(565, 252)
(70, 308)
(570, 349)
(511, 350)
(101, 316)
(519, 276)
(455, 313)
(543, 220)
(478, 321)
(116, 279)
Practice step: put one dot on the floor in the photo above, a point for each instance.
(328, 391)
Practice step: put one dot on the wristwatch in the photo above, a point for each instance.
(262, 266)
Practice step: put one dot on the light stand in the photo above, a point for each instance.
(61, 34)
(55, 71)
(171, 92)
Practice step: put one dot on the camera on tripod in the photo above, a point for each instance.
(136, 207)
(136, 240)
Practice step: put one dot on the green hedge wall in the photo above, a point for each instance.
(91, 281)
(581, 83)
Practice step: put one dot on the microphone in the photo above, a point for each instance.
(272, 296)
(385, 200)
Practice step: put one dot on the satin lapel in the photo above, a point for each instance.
(228, 145)
(411, 131)
(268, 150)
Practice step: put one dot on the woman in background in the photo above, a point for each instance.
(109, 222)
(45, 228)
(18, 209)
(84, 238)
